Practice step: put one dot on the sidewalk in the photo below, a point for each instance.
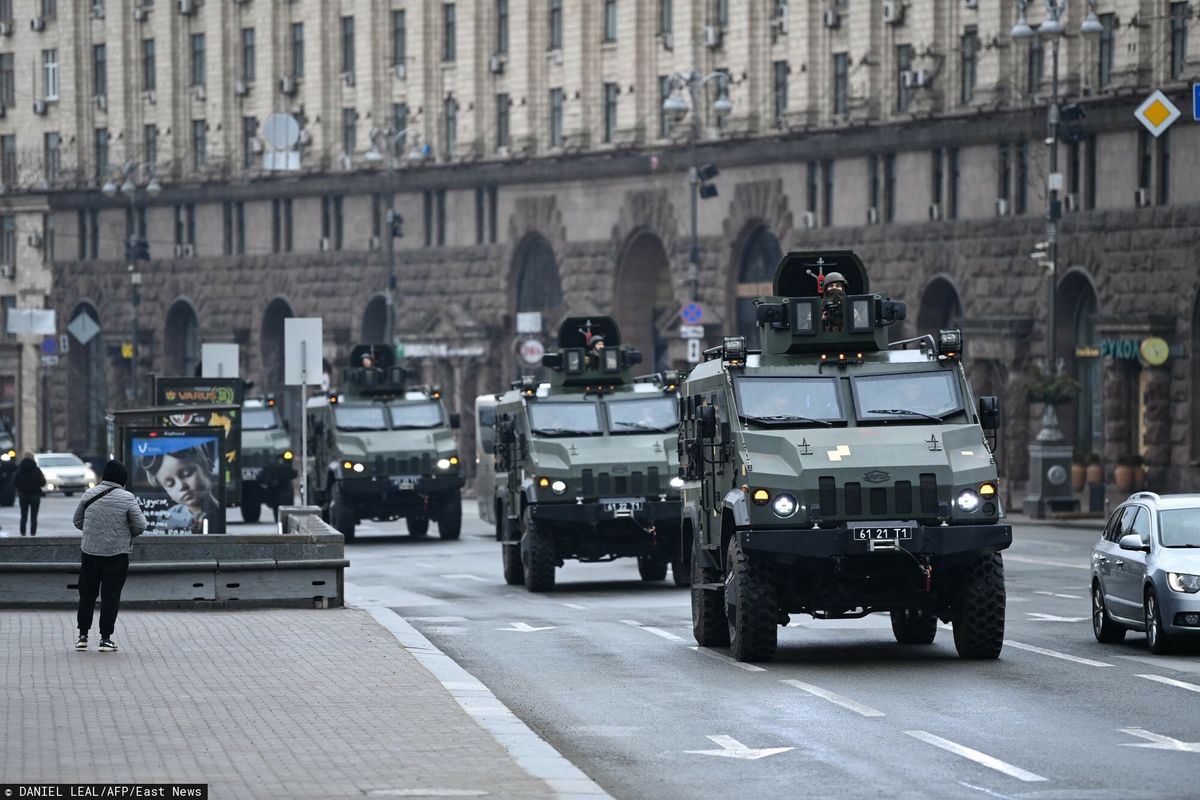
(271, 704)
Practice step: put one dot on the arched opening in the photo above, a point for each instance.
(181, 343)
(1195, 352)
(538, 285)
(272, 374)
(87, 392)
(374, 322)
(644, 300)
(760, 258)
(1077, 348)
(940, 307)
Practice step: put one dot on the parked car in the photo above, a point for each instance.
(65, 473)
(1146, 571)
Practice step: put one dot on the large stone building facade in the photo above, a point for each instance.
(538, 173)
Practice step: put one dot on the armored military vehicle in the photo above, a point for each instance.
(382, 449)
(836, 475)
(585, 464)
(485, 456)
(268, 459)
(8, 465)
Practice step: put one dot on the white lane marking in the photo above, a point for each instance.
(732, 748)
(462, 576)
(731, 661)
(655, 631)
(576, 606)
(974, 755)
(1156, 741)
(985, 790)
(836, 699)
(1059, 594)
(1055, 654)
(1037, 616)
(525, 627)
(437, 619)
(1012, 599)
(1041, 562)
(1191, 687)
(426, 793)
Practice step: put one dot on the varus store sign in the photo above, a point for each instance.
(201, 395)
(1154, 350)
(439, 350)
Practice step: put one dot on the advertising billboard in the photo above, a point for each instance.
(178, 478)
(205, 391)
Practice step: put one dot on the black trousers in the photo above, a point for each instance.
(103, 576)
(30, 503)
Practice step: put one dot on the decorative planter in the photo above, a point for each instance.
(1123, 475)
(1078, 476)
(1095, 474)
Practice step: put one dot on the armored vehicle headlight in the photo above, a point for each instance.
(1180, 582)
(454, 461)
(559, 487)
(543, 482)
(784, 505)
(443, 463)
(677, 482)
(358, 467)
(760, 496)
(967, 500)
(6, 457)
(288, 455)
(347, 465)
(988, 490)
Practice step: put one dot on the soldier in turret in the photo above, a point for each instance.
(833, 301)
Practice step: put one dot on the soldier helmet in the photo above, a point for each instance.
(835, 277)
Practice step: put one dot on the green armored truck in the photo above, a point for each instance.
(837, 475)
(381, 449)
(585, 464)
(8, 465)
(268, 460)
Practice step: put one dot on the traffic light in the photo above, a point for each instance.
(137, 249)
(396, 224)
(705, 174)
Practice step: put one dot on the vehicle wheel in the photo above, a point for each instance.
(709, 625)
(418, 525)
(341, 514)
(537, 555)
(1105, 630)
(450, 517)
(514, 572)
(913, 626)
(8, 497)
(679, 573)
(652, 570)
(979, 627)
(251, 504)
(1157, 640)
(750, 606)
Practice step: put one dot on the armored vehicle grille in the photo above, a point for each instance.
(604, 484)
(654, 485)
(879, 503)
(827, 496)
(852, 492)
(929, 493)
(904, 497)
(621, 484)
(588, 480)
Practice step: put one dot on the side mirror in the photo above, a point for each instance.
(1131, 541)
(989, 413)
(456, 420)
(707, 417)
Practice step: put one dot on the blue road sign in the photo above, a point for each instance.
(692, 313)
(50, 346)
(1196, 101)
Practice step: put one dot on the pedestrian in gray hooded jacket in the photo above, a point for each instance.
(109, 517)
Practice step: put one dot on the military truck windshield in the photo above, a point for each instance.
(360, 418)
(644, 414)
(426, 414)
(564, 419)
(789, 401)
(259, 419)
(1179, 527)
(911, 396)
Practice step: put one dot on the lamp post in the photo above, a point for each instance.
(1049, 454)
(392, 140)
(677, 107)
(136, 249)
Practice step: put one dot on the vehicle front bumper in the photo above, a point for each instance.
(1174, 607)
(937, 542)
(593, 514)
(274, 475)
(399, 489)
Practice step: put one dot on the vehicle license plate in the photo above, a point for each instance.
(884, 532)
(404, 481)
(622, 507)
(250, 474)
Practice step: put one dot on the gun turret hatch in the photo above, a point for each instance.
(823, 303)
(590, 355)
(373, 372)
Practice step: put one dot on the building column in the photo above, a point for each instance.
(1156, 422)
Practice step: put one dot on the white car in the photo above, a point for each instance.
(65, 473)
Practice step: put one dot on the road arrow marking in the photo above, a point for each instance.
(655, 631)
(462, 576)
(1040, 617)
(1159, 742)
(1191, 687)
(837, 699)
(525, 627)
(1055, 654)
(732, 748)
(976, 756)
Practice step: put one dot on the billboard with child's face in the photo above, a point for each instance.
(177, 476)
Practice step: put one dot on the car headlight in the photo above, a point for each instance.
(967, 500)
(677, 482)
(559, 487)
(5, 457)
(443, 463)
(1180, 582)
(49, 487)
(784, 505)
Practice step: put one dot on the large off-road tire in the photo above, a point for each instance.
(651, 569)
(914, 626)
(418, 525)
(251, 507)
(1103, 628)
(750, 606)
(1157, 640)
(680, 573)
(450, 516)
(537, 555)
(341, 513)
(8, 491)
(510, 548)
(709, 625)
(979, 626)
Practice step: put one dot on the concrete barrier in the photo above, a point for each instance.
(303, 567)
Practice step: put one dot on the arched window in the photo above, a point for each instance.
(756, 270)
(1195, 354)
(644, 300)
(538, 284)
(374, 322)
(181, 344)
(271, 340)
(1076, 339)
(940, 307)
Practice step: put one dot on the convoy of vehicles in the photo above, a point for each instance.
(380, 448)
(585, 464)
(268, 459)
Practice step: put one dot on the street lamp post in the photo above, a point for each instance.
(392, 139)
(136, 249)
(677, 108)
(1049, 454)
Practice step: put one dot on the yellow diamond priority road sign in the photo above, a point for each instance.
(1157, 113)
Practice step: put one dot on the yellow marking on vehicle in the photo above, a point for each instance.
(841, 452)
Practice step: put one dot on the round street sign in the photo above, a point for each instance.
(532, 351)
(1156, 351)
(692, 313)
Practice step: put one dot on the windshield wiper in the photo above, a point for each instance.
(905, 412)
(642, 426)
(413, 427)
(359, 428)
(553, 431)
(789, 418)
